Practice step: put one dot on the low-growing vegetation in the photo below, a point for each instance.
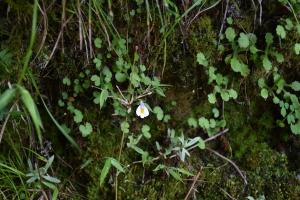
(149, 99)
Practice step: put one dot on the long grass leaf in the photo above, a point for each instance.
(62, 130)
(6, 97)
(32, 109)
(105, 171)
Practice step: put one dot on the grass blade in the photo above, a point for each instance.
(62, 130)
(6, 97)
(32, 109)
(105, 171)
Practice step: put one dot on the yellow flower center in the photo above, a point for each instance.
(142, 110)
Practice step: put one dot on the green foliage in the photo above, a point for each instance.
(230, 34)
(280, 31)
(41, 177)
(122, 67)
(243, 40)
(105, 170)
(145, 131)
(86, 129)
(125, 127)
(159, 112)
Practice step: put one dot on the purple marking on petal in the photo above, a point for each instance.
(142, 104)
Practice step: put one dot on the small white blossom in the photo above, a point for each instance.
(142, 111)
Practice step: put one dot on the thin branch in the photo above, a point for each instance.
(217, 135)
(5, 122)
(201, 11)
(231, 162)
(193, 184)
(223, 21)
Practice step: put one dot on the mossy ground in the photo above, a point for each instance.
(268, 155)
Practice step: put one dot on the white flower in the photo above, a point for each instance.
(142, 111)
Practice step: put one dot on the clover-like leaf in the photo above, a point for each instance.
(230, 34)
(264, 93)
(98, 63)
(86, 129)
(203, 122)
(297, 48)
(212, 98)
(98, 43)
(225, 95)
(269, 38)
(120, 77)
(243, 40)
(280, 31)
(66, 81)
(192, 122)
(201, 143)
(77, 116)
(145, 131)
(159, 112)
(96, 80)
(215, 112)
(125, 127)
(238, 66)
(201, 59)
(232, 93)
(295, 85)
